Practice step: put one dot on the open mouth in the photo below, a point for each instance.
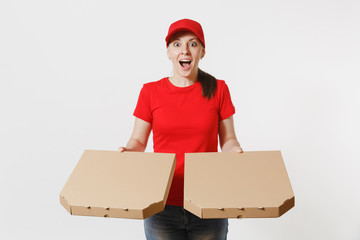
(185, 64)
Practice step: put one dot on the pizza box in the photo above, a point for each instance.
(119, 184)
(252, 184)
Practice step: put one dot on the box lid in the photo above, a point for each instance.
(123, 185)
(237, 185)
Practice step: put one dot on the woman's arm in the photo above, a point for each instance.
(139, 137)
(227, 136)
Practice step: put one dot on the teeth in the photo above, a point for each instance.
(184, 61)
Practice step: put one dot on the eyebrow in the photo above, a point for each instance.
(189, 40)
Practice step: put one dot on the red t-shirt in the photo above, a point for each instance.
(183, 121)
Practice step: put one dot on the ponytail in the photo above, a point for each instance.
(208, 83)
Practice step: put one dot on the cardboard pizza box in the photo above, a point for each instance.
(237, 185)
(120, 185)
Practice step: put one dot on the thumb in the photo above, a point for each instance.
(122, 149)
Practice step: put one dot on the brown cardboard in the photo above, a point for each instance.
(237, 185)
(119, 185)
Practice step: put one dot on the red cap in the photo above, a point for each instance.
(186, 25)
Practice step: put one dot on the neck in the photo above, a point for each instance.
(181, 81)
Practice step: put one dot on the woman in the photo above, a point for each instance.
(186, 112)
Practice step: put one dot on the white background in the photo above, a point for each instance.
(71, 72)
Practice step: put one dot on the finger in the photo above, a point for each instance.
(240, 150)
(122, 149)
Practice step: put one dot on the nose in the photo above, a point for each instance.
(185, 49)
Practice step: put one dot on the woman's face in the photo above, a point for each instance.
(185, 51)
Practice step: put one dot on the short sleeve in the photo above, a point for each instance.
(143, 109)
(226, 107)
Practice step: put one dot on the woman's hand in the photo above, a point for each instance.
(227, 136)
(139, 137)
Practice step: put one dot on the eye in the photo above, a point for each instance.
(193, 44)
(176, 44)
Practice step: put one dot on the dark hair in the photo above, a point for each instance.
(208, 83)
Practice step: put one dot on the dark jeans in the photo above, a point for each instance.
(176, 223)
